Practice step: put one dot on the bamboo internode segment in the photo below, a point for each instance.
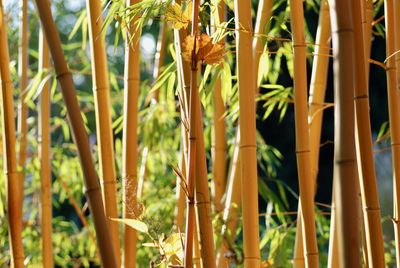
(23, 76)
(345, 164)
(101, 91)
(302, 135)
(365, 155)
(393, 103)
(130, 146)
(81, 140)
(14, 180)
(315, 111)
(247, 125)
(44, 155)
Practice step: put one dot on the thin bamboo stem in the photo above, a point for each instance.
(44, 138)
(218, 146)
(303, 153)
(80, 137)
(393, 103)
(130, 147)
(345, 165)
(14, 180)
(248, 148)
(101, 91)
(23, 76)
(316, 100)
(365, 155)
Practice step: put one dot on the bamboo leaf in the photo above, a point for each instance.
(135, 224)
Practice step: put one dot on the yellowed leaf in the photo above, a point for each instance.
(135, 224)
(206, 50)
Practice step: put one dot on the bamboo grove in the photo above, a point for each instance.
(148, 133)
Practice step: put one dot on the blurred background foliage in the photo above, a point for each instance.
(159, 131)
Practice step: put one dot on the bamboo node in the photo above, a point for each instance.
(91, 189)
(66, 73)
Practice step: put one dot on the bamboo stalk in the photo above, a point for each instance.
(396, 7)
(393, 103)
(247, 110)
(233, 189)
(316, 100)
(81, 140)
(101, 91)
(130, 147)
(14, 181)
(303, 153)
(365, 155)
(345, 169)
(232, 202)
(333, 253)
(44, 156)
(23, 76)
(218, 146)
(367, 30)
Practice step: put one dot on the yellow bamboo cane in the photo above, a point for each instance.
(129, 153)
(101, 91)
(345, 175)
(44, 156)
(23, 76)
(218, 146)
(302, 135)
(80, 137)
(397, 41)
(14, 180)
(315, 112)
(393, 103)
(365, 155)
(249, 177)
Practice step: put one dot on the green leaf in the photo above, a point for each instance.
(135, 224)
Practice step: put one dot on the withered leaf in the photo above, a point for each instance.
(206, 50)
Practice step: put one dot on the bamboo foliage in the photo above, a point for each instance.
(44, 155)
(130, 147)
(368, 184)
(14, 180)
(345, 176)
(80, 137)
(247, 125)
(101, 90)
(393, 103)
(315, 112)
(23, 76)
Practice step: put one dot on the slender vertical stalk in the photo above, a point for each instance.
(218, 147)
(80, 137)
(345, 166)
(315, 114)
(247, 125)
(365, 155)
(303, 153)
(101, 90)
(233, 189)
(393, 103)
(23, 76)
(396, 6)
(333, 252)
(14, 181)
(368, 9)
(129, 153)
(44, 156)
